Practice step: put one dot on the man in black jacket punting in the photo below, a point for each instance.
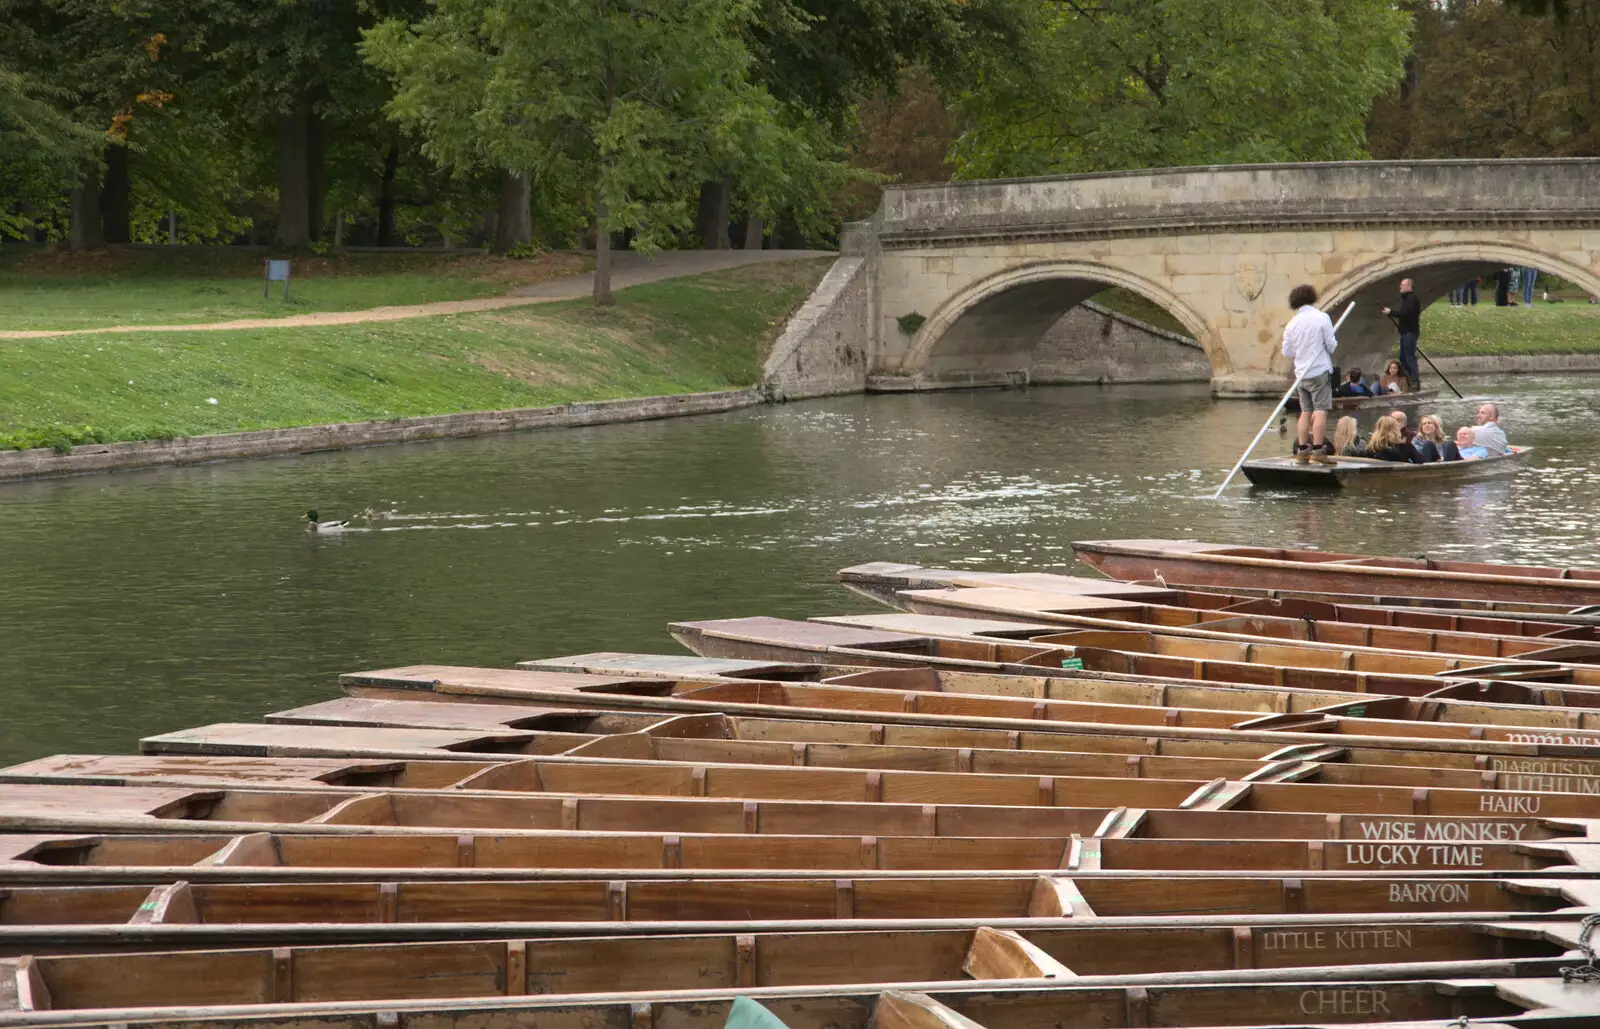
(1407, 317)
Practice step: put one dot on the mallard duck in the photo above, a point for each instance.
(312, 525)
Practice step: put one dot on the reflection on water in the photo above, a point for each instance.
(151, 601)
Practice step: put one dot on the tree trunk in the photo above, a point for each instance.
(602, 251)
(514, 224)
(316, 176)
(712, 222)
(114, 197)
(391, 162)
(755, 232)
(294, 189)
(84, 230)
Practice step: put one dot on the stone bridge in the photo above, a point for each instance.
(955, 285)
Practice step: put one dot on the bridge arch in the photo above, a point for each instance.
(1369, 339)
(998, 321)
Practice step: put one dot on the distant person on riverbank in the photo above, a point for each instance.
(1353, 386)
(1386, 444)
(1488, 434)
(1469, 293)
(1407, 318)
(1393, 379)
(1466, 450)
(1502, 288)
(1347, 441)
(1429, 442)
(1309, 340)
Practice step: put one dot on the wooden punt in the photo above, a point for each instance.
(604, 964)
(1385, 603)
(1552, 744)
(849, 639)
(1387, 401)
(353, 711)
(883, 580)
(418, 908)
(1219, 564)
(76, 800)
(710, 740)
(1271, 638)
(1398, 996)
(1351, 472)
(1300, 631)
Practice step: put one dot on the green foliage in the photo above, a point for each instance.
(910, 323)
(630, 104)
(1110, 84)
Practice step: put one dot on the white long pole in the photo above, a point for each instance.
(1276, 408)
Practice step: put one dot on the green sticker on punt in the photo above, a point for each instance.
(1357, 711)
(1072, 662)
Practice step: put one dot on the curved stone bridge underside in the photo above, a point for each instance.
(991, 266)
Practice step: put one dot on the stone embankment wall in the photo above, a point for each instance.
(107, 457)
(823, 349)
(1095, 344)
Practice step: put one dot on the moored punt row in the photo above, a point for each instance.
(860, 640)
(1040, 597)
(609, 964)
(882, 580)
(1390, 995)
(1221, 565)
(414, 906)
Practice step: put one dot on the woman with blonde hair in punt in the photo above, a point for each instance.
(1429, 439)
(1347, 440)
(1386, 443)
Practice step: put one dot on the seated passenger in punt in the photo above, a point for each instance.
(1347, 441)
(1394, 380)
(1406, 433)
(1466, 448)
(1386, 443)
(1488, 434)
(1429, 442)
(1352, 386)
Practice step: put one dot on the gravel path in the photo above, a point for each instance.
(628, 269)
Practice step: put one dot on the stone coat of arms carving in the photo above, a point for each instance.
(1249, 277)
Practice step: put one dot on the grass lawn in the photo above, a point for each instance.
(1568, 328)
(685, 335)
(49, 289)
(1134, 305)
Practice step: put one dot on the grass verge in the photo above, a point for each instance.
(1572, 327)
(57, 289)
(688, 335)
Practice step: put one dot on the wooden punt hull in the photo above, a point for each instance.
(707, 741)
(860, 701)
(1485, 705)
(852, 806)
(1268, 663)
(1338, 995)
(1352, 472)
(1298, 632)
(601, 964)
(1386, 401)
(1381, 603)
(884, 581)
(1222, 565)
(188, 911)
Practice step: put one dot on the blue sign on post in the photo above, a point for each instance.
(277, 271)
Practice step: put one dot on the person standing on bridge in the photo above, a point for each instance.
(1407, 317)
(1308, 338)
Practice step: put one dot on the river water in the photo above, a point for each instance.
(150, 601)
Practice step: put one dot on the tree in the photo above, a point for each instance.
(40, 145)
(1495, 79)
(629, 104)
(1109, 84)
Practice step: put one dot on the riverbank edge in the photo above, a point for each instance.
(93, 458)
(1513, 364)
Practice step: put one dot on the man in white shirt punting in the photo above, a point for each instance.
(1308, 339)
